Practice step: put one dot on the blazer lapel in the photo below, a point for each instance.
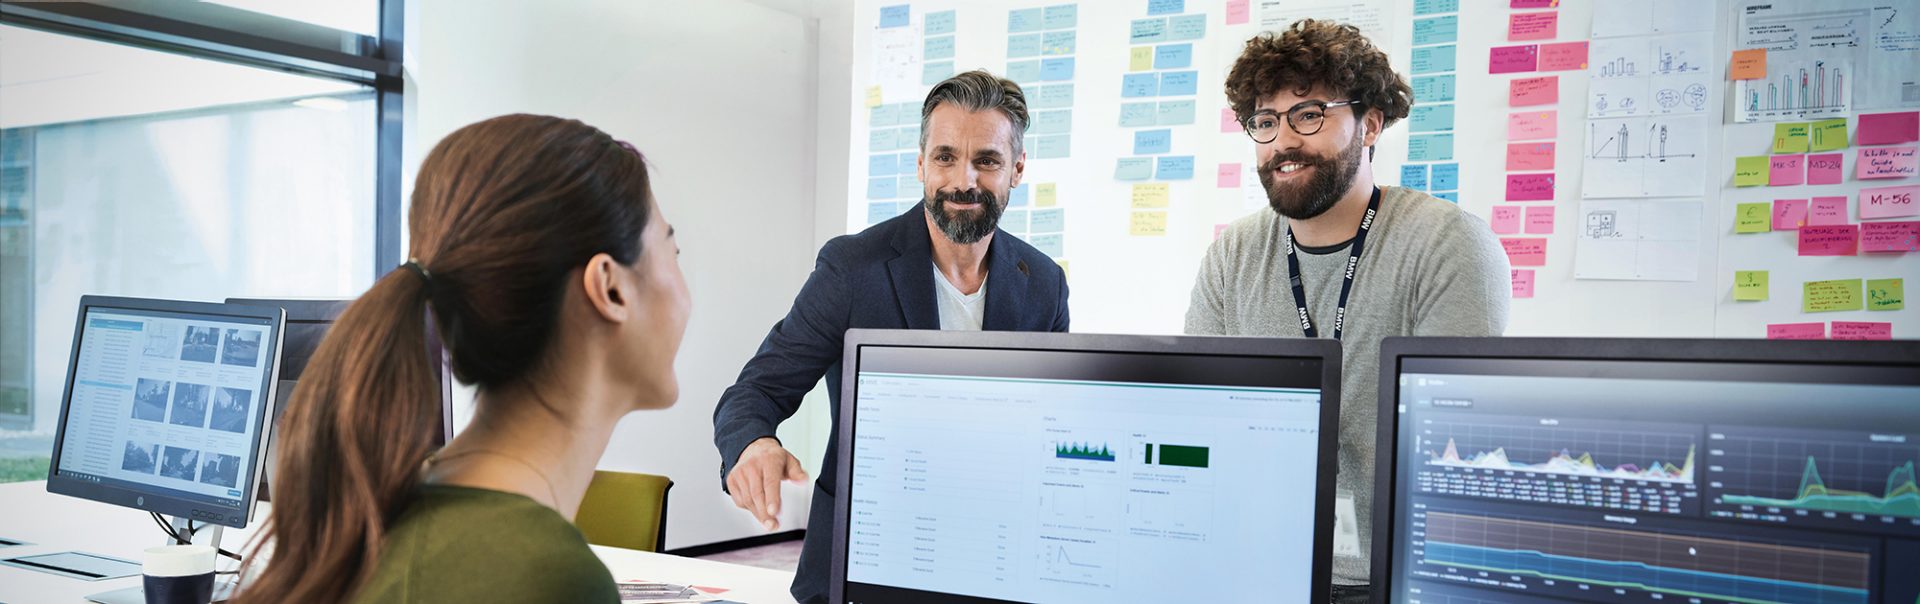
(912, 274)
(1007, 280)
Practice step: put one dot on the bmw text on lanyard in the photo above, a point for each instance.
(1346, 287)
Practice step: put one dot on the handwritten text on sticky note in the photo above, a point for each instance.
(1885, 162)
(1890, 237)
(1836, 240)
(1828, 296)
(1890, 202)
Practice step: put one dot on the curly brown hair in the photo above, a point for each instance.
(1318, 53)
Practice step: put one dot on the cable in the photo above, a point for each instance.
(188, 539)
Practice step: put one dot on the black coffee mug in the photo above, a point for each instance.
(178, 574)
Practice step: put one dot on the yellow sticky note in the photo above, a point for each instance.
(1791, 137)
(1750, 171)
(873, 96)
(1825, 296)
(1150, 195)
(1044, 195)
(1750, 286)
(1065, 272)
(1829, 134)
(1141, 59)
(1886, 294)
(1753, 218)
(1150, 223)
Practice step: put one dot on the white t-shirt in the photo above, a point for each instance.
(958, 311)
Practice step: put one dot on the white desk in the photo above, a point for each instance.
(57, 523)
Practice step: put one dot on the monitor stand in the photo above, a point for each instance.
(222, 588)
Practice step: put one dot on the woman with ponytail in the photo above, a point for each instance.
(552, 280)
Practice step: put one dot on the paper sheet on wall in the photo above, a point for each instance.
(1371, 16)
(896, 62)
(1660, 156)
(1638, 240)
(1879, 37)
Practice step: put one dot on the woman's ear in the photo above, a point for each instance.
(607, 289)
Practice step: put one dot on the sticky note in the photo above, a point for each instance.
(1174, 167)
(1433, 89)
(1186, 27)
(1179, 83)
(882, 188)
(1176, 113)
(1753, 218)
(1054, 70)
(934, 72)
(1828, 135)
(1015, 221)
(882, 165)
(1430, 147)
(940, 23)
(1789, 214)
(1506, 220)
(1046, 195)
(1133, 168)
(1055, 43)
(1147, 224)
(1823, 169)
(1513, 59)
(1452, 197)
(1797, 331)
(1832, 240)
(1237, 12)
(1049, 221)
(1058, 121)
(1051, 244)
(1228, 176)
(1885, 162)
(1750, 286)
(1446, 177)
(1533, 26)
(1173, 56)
(1023, 71)
(1025, 20)
(894, 16)
(1522, 282)
(1433, 59)
(1529, 187)
(1436, 30)
(1535, 125)
(1139, 85)
(1150, 195)
(1529, 156)
(1054, 147)
(1886, 294)
(1229, 123)
(1432, 7)
(1541, 90)
(1786, 170)
(1827, 211)
(1149, 142)
(1790, 137)
(873, 97)
(938, 47)
(1748, 64)
(1431, 118)
(1414, 176)
(1862, 330)
(1140, 58)
(1218, 229)
(1136, 115)
(1534, 3)
(1887, 128)
(1147, 31)
(1563, 56)
(1889, 202)
(1894, 237)
(1829, 296)
(1525, 251)
(1061, 16)
(1539, 220)
(1166, 7)
(1750, 171)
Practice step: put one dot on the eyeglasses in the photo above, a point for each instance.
(1305, 118)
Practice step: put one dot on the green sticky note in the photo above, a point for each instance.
(1886, 294)
(1829, 134)
(1750, 171)
(1827, 296)
(1750, 286)
(1791, 137)
(1753, 218)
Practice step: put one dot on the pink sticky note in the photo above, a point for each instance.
(1827, 211)
(1789, 214)
(1525, 252)
(1885, 162)
(1533, 125)
(1529, 156)
(1218, 229)
(1506, 220)
(1540, 220)
(1513, 59)
(1543, 90)
(1862, 330)
(1564, 56)
(1823, 169)
(1797, 331)
(1889, 202)
(1893, 237)
(1237, 12)
(1229, 176)
(1523, 283)
(1888, 128)
(1534, 3)
(1838, 240)
(1529, 187)
(1228, 123)
(1533, 26)
(1786, 170)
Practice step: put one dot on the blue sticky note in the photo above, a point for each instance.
(1062, 16)
(1057, 43)
(1179, 83)
(1133, 168)
(940, 23)
(1052, 244)
(882, 188)
(893, 115)
(1414, 176)
(1023, 45)
(909, 187)
(1434, 7)
(1139, 85)
(1437, 117)
(880, 116)
(939, 47)
(880, 139)
(880, 212)
(1186, 27)
(1048, 220)
(1173, 56)
(882, 165)
(906, 138)
(1054, 96)
(1446, 177)
(1054, 147)
(1149, 142)
(1059, 121)
(894, 16)
(1166, 7)
(1430, 147)
(1018, 197)
(934, 72)
(1433, 89)
(908, 162)
(1014, 221)
(1452, 196)
(1054, 70)
(1138, 115)
(1146, 31)
(1436, 30)
(1175, 113)
(1175, 167)
(1433, 59)
(1023, 21)
(1023, 71)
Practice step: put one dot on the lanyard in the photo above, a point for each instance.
(1346, 287)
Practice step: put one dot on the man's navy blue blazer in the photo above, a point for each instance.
(880, 278)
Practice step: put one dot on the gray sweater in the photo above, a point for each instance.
(1428, 269)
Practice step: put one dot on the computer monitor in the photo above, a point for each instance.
(1040, 467)
(1595, 470)
(307, 323)
(165, 405)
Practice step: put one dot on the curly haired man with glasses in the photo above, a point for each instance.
(1341, 256)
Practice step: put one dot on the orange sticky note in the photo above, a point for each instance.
(1749, 64)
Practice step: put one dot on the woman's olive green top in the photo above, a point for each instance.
(461, 544)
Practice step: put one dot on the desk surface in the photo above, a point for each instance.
(56, 523)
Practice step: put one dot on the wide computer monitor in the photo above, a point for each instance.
(1035, 467)
(165, 406)
(1692, 471)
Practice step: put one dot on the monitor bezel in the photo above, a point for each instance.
(1395, 350)
(1326, 351)
(159, 502)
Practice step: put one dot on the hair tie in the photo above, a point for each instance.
(426, 277)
